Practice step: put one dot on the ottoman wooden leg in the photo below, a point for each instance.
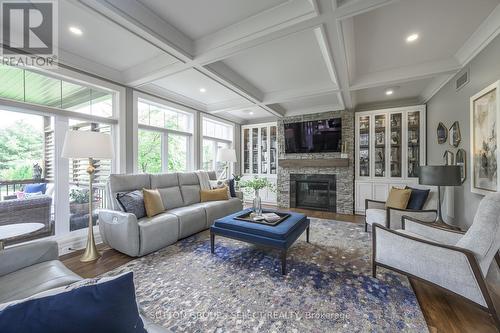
(307, 234)
(212, 242)
(283, 262)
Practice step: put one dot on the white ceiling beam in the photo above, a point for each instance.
(75, 61)
(357, 7)
(140, 20)
(406, 74)
(325, 50)
(274, 19)
(152, 70)
(487, 31)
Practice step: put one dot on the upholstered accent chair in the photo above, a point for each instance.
(377, 212)
(453, 260)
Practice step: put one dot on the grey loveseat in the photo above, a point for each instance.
(185, 215)
(32, 268)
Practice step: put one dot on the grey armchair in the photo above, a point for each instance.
(449, 259)
(377, 212)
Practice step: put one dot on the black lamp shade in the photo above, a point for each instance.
(440, 175)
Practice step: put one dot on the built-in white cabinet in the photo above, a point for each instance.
(259, 151)
(390, 145)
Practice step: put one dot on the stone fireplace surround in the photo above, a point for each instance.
(344, 174)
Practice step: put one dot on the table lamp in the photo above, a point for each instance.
(91, 145)
(440, 175)
(227, 155)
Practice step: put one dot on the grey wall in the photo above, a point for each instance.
(449, 105)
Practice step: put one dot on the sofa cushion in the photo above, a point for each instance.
(398, 198)
(374, 215)
(217, 209)
(132, 202)
(192, 219)
(34, 279)
(168, 186)
(94, 306)
(157, 232)
(214, 195)
(152, 202)
(190, 187)
(418, 197)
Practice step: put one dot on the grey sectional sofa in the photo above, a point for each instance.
(185, 215)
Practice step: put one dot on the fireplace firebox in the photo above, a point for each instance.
(313, 191)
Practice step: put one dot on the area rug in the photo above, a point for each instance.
(240, 288)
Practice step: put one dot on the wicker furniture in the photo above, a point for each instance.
(33, 210)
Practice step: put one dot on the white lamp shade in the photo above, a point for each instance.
(226, 155)
(85, 144)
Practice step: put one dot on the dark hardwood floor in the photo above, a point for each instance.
(443, 311)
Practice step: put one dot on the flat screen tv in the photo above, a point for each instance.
(318, 136)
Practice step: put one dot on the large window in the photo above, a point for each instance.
(30, 136)
(164, 138)
(216, 135)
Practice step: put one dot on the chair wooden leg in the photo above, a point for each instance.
(366, 227)
(374, 270)
(497, 258)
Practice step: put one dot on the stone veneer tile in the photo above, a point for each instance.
(345, 175)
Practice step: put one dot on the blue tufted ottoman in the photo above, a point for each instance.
(281, 236)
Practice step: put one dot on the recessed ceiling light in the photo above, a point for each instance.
(411, 38)
(250, 112)
(76, 31)
(389, 92)
(202, 90)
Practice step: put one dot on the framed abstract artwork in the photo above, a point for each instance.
(484, 139)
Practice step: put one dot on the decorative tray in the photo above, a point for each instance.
(247, 218)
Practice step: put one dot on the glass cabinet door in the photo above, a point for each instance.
(396, 144)
(246, 150)
(364, 146)
(380, 145)
(273, 151)
(255, 150)
(264, 162)
(413, 143)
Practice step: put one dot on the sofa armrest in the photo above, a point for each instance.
(18, 257)
(239, 194)
(447, 266)
(374, 204)
(431, 231)
(120, 231)
(394, 216)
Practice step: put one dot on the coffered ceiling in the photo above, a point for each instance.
(262, 59)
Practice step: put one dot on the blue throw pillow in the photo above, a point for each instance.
(418, 198)
(232, 191)
(33, 188)
(104, 307)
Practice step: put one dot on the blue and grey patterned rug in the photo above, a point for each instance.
(329, 287)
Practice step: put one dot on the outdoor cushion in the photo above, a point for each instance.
(34, 188)
(280, 231)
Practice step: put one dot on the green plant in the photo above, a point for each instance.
(78, 195)
(257, 184)
(236, 178)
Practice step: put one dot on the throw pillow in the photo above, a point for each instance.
(33, 188)
(418, 198)
(232, 190)
(398, 198)
(214, 195)
(152, 202)
(94, 306)
(132, 202)
(28, 195)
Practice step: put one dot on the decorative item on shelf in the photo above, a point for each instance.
(380, 138)
(461, 161)
(256, 184)
(448, 158)
(395, 138)
(484, 118)
(237, 180)
(343, 153)
(440, 175)
(226, 156)
(37, 171)
(90, 145)
(442, 133)
(454, 136)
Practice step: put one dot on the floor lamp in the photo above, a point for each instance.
(440, 175)
(91, 145)
(226, 155)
